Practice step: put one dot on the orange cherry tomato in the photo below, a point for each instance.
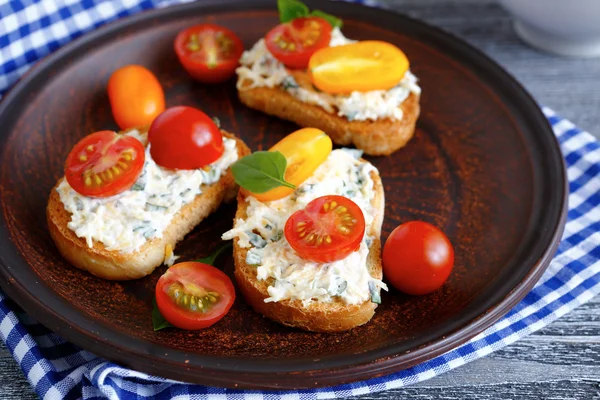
(417, 258)
(209, 52)
(328, 229)
(184, 138)
(362, 66)
(294, 42)
(136, 97)
(104, 164)
(193, 295)
(304, 150)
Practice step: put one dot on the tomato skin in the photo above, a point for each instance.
(203, 275)
(417, 258)
(294, 42)
(362, 66)
(104, 164)
(328, 229)
(219, 58)
(136, 97)
(304, 150)
(184, 138)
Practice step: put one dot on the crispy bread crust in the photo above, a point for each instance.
(114, 265)
(318, 317)
(377, 138)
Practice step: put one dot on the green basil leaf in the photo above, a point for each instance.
(261, 171)
(333, 20)
(158, 321)
(210, 260)
(291, 9)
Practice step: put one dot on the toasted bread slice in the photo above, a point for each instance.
(381, 137)
(115, 265)
(335, 316)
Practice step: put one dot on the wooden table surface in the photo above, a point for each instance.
(561, 361)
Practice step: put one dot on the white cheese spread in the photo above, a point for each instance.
(292, 277)
(261, 69)
(126, 221)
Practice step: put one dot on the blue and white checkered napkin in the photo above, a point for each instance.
(55, 368)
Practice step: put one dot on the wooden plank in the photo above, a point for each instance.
(570, 86)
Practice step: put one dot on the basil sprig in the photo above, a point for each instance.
(158, 321)
(261, 171)
(210, 260)
(292, 9)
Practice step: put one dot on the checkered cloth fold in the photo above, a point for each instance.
(55, 368)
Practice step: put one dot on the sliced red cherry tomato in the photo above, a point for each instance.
(209, 53)
(104, 164)
(184, 138)
(193, 295)
(328, 229)
(417, 258)
(294, 42)
(136, 97)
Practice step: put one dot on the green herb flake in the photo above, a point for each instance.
(253, 257)
(261, 171)
(375, 296)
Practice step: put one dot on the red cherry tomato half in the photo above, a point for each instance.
(104, 164)
(294, 42)
(184, 138)
(209, 53)
(193, 295)
(327, 230)
(417, 258)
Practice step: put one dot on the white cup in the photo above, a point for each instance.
(565, 27)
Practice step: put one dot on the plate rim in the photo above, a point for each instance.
(308, 377)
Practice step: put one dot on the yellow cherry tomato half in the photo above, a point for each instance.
(304, 150)
(136, 97)
(362, 66)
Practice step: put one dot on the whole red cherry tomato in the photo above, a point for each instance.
(417, 258)
(184, 138)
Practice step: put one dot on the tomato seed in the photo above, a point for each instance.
(199, 302)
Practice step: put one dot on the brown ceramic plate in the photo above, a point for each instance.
(483, 165)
